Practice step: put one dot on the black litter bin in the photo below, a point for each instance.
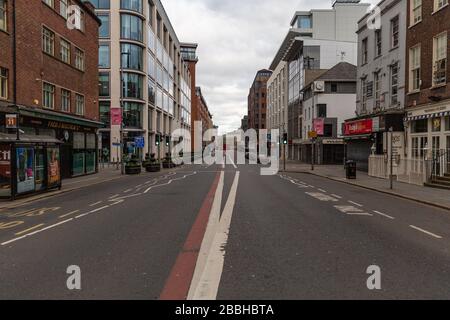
(350, 169)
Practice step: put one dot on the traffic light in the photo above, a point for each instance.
(167, 140)
(157, 139)
(285, 138)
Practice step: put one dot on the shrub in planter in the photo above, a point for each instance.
(167, 162)
(151, 164)
(133, 166)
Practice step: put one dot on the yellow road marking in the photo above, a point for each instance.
(8, 225)
(32, 228)
(70, 213)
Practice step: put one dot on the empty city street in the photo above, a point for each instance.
(214, 232)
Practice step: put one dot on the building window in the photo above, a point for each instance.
(101, 4)
(48, 41)
(65, 100)
(49, 3)
(104, 29)
(65, 51)
(63, 8)
(3, 16)
(131, 27)
(394, 84)
(103, 84)
(440, 59)
(3, 83)
(334, 88)
(436, 124)
(104, 56)
(378, 42)
(414, 68)
(132, 86)
(364, 95)
(48, 96)
(304, 22)
(105, 112)
(132, 115)
(134, 5)
(133, 59)
(79, 104)
(439, 4)
(419, 126)
(79, 59)
(377, 80)
(416, 11)
(364, 51)
(321, 110)
(395, 29)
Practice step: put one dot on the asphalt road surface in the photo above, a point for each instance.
(224, 232)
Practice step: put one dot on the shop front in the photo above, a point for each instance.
(29, 165)
(77, 137)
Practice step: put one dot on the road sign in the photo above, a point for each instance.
(312, 134)
(11, 121)
(116, 144)
(139, 142)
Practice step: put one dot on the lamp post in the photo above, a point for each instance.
(122, 88)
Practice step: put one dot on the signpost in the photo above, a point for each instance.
(11, 121)
(313, 136)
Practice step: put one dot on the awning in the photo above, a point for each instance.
(27, 138)
(428, 116)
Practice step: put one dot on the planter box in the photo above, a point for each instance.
(133, 170)
(153, 168)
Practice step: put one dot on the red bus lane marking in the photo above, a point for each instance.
(179, 281)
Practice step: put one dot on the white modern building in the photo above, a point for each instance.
(318, 39)
(144, 83)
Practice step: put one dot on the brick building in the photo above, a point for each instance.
(257, 107)
(49, 75)
(427, 81)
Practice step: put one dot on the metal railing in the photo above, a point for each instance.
(440, 164)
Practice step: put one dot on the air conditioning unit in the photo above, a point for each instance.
(319, 86)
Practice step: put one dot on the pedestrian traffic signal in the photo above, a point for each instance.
(157, 140)
(167, 140)
(285, 138)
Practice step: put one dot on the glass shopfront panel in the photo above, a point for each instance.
(53, 165)
(25, 169)
(78, 163)
(5, 170)
(40, 168)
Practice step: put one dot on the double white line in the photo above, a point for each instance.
(209, 268)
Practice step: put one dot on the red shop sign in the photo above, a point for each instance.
(358, 127)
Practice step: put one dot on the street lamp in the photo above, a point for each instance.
(122, 88)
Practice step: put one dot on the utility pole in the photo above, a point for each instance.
(391, 175)
(122, 88)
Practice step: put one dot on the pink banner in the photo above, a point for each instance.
(319, 125)
(116, 116)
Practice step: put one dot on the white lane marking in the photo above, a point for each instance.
(94, 204)
(211, 230)
(99, 209)
(426, 232)
(311, 186)
(70, 213)
(75, 182)
(356, 203)
(128, 190)
(114, 196)
(321, 196)
(336, 196)
(384, 215)
(351, 210)
(209, 283)
(321, 190)
(232, 162)
(29, 229)
(117, 202)
(170, 181)
(36, 232)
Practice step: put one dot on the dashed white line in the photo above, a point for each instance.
(336, 196)
(321, 190)
(426, 232)
(114, 196)
(96, 203)
(356, 203)
(128, 190)
(384, 215)
(99, 209)
(70, 213)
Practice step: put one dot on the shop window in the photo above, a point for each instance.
(5, 170)
(419, 126)
(447, 123)
(48, 41)
(25, 170)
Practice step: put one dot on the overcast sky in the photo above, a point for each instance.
(236, 38)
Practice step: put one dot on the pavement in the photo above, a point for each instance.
(224, 232)
(430, 196)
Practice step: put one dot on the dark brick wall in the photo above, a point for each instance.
(33, 65)
(257, 106)
(6, 60)
(423, 33)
